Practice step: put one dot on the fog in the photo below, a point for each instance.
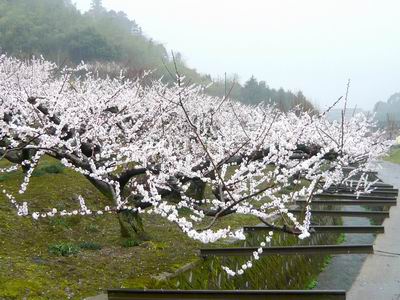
(310, 45)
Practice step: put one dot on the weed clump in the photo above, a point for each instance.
(90, 246)
(64, 249)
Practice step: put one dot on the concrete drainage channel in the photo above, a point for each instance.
(289, 261)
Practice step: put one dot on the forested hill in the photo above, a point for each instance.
(57, 30)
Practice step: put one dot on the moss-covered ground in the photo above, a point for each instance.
(394, 156)
(76, 257)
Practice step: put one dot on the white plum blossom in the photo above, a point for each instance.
(147, 144)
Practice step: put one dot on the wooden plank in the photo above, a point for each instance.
(290, 250)
(381, 184)
(380, 192)
(349, 229)
(125, 294)
(351, 202)
(349, 169)
(353, 196)
(386, 189)
(379, 189)
(375, 185)
(343, 213)
(326, 228)
(373, 194)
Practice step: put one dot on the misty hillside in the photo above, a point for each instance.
(335, 114)
(389, 111)
(110, 41)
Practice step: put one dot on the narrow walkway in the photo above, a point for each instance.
(379, 277)
(343, 269)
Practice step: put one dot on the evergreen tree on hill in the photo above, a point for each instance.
(109, 40)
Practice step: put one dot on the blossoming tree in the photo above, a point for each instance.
(155, 149)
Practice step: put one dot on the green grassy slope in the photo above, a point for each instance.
(29, 269)
(394, 156)
(31, 261)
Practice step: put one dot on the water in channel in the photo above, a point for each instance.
(269, 272)
(343, 269)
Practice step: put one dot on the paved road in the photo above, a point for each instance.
(379, 277)
(343, 269)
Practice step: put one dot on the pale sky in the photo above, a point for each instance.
(308, 45)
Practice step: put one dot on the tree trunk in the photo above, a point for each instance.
(196, 189)
(131, 226)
